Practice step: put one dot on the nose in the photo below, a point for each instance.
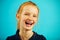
(30, 18)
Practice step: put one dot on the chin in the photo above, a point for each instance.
(28, 28)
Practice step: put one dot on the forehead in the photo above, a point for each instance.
(30, 8)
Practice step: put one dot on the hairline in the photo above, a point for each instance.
(25, 4)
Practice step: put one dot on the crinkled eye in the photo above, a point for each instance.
(26, 14)
(34, 16)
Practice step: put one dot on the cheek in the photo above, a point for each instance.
(23, 18)
(35, 19)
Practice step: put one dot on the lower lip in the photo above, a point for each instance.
(28, 25)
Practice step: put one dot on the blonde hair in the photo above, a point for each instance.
(21, 8)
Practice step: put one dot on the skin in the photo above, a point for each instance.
(29, 14)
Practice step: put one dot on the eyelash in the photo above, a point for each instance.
(28, 15)
(34, 16)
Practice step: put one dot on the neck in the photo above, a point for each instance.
(25, 34)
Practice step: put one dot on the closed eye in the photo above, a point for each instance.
(34, 16)
(26, 14)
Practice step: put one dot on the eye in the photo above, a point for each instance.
(34, 16)
(26, 14)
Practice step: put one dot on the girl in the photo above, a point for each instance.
(27, 16)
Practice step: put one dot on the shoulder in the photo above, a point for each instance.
(14, 37)
(39, 37)
(11, 37)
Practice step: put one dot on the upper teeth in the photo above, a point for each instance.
(29, 22)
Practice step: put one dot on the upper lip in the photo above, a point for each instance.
(29, 22)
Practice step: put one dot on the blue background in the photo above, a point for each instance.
(48, 22)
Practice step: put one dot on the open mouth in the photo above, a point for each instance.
(29, 23)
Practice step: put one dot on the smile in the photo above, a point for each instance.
(29, 23)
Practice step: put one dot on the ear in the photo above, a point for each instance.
(17, 16)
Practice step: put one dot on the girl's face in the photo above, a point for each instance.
(28, 17)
